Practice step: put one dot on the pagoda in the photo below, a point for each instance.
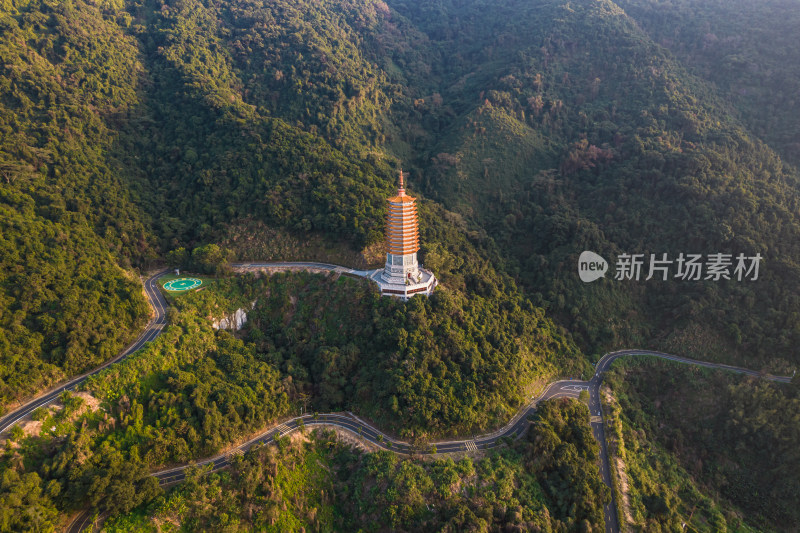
(402, 275)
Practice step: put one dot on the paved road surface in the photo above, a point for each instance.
(350, 422)
(256, 265)
(153, 330)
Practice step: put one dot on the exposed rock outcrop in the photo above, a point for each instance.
(234, 322)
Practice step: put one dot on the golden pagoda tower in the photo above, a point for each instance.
(402, 275)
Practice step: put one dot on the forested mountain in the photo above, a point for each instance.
(71, 225)
(544, 482)
(734, 439)
(548, 127)
(577, 131)
(531, 131)
(747, 50)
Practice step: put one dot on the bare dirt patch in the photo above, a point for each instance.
(619, 464)
(607, 394)
(92, 403)
(623, 485)
(31, 427)
(348, 438)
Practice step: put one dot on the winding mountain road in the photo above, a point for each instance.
(151, 331)
(350, 422)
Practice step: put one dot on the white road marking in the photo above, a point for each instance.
(237, 451)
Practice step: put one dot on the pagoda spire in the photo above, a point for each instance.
(401, 188)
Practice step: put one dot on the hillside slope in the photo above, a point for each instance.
(532, 130)
(746, 49)
(646, 158)
(70, 224)
(545, 128)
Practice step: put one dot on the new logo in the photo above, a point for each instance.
(591, 266)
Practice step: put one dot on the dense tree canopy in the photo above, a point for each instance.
(548, 482)
(707, 440)
(579, 132)
(132, 128)
(69, 222)
(313, 341)
(134, 132)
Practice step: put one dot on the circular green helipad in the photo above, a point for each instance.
(182, 284)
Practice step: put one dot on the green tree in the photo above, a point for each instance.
(210, 259)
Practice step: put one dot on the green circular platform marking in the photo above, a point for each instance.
(182, 284)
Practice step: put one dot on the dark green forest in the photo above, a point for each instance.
(452, 364)
(535, 130)
(744, 49)
(545, 482)
(132, 131)
(71, 226)
(706, 440)
(577, 132)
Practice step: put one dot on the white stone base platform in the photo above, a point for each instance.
(395, 286)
